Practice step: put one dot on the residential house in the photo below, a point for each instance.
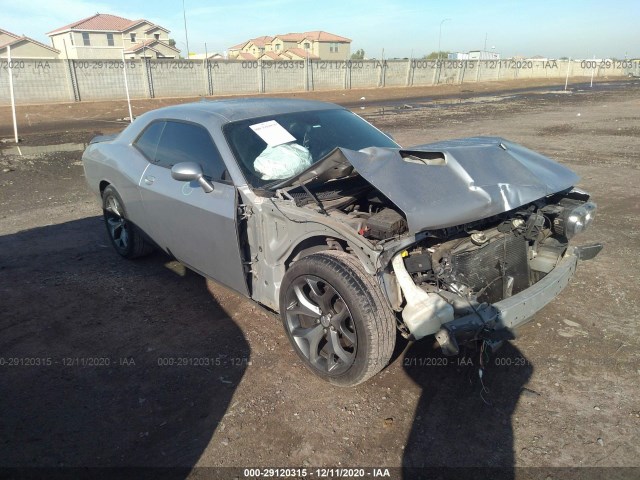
(294, 46)
(24, 47)
(104, 36)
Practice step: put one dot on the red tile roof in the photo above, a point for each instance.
(239, 45)
(302, 53)
(320, 36)
(261, 41)
(316, 35)
(246, 56)
(156, 27)
(100, 22)
(27, 39)
(9, 33)
(271, 55)
(148, 44)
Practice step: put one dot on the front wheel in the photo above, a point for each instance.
(336, 318)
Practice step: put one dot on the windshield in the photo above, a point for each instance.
(278, 147)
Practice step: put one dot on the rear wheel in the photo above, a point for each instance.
(124, 236)
(336, 318)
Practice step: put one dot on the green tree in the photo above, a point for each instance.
(359, 55)
(172, 42)
(435, 56)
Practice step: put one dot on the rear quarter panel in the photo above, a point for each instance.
(120, 165)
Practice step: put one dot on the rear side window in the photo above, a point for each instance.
(187, 142)
(147, 143)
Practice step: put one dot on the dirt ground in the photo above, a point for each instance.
(105, 362)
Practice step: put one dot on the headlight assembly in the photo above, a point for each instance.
(574, 219)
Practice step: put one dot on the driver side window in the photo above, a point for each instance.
(168, 142)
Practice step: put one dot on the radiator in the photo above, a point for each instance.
(488, 267)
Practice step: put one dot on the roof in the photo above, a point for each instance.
(261, 41)
(156, 27)
(5, 32)
(148, 44)
(27, 39)
(239, 45)
(102, 22)
(232, 110)
(246, 56)
(271, 55)
(300, 52)
(315, 35)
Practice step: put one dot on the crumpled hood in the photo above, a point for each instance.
(455, 182)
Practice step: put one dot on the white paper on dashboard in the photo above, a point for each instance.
(272, 133)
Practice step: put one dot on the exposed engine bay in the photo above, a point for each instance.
(355, 202)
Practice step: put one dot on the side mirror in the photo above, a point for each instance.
(189, 172)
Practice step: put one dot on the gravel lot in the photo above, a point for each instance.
(105, 362)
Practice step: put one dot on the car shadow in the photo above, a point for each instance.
(107, 362)
(463, 424)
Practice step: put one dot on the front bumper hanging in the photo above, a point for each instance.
(498, 320)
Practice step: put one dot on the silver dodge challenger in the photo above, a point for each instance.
(314, 213)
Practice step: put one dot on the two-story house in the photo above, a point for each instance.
(294, 46)
(104, 36)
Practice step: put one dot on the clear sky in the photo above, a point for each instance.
(579, 29)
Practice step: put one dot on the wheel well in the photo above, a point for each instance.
(312, 245)
(103, 184)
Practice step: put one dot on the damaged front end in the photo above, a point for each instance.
(490, 277)
(470, 238)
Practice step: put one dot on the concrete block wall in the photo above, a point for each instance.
(363, 74)
(235, 77)
(284, 76)
(327, 75)
(36, 81)
(178, 78)
(104, 79)
(42, 81)
(396, 73)
(422, 72)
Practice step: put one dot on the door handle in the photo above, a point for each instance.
(149, 179)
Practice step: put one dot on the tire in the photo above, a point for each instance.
(336, 318)
(124, 236)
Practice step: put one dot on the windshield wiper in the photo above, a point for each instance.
(315, 199)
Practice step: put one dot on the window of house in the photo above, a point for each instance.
(71, 38)
(133, 37)
(157, 35)
(110, 39)
(307, 45)
(277, 46)
(333, 48)
(188, 142)
(86, 41)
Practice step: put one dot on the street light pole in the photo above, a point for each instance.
(440, 35)
(186, 35)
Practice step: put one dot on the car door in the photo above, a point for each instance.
(197, 228)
